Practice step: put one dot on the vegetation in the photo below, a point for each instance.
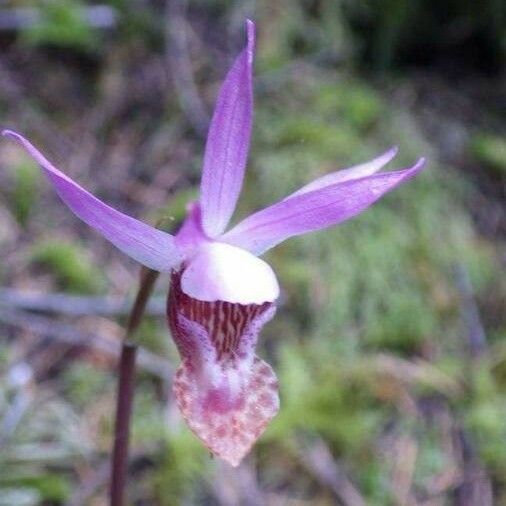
(389, 337)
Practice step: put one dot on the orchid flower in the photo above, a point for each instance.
(221, 293)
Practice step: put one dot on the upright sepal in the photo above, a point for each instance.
(225, 392)
(146, 244)
(228, 142)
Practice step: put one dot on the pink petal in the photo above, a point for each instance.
(355, 172)
(219, 271)
(228, 142)
(147, 245)
(225, 392)
(314, 210)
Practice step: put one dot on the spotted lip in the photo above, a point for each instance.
(225, 392)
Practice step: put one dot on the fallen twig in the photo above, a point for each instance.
(97, 480)
(239, 485)
(404, 463)
(475, 488)
(75, 305)
(68, 334)
(476, 337)
(318, 459)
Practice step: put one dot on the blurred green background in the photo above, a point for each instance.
(389, 341)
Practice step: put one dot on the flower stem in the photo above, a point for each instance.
(122, 429)
(119, 467)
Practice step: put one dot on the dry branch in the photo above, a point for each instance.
(318, 459)
(68, 334)
(75, 305)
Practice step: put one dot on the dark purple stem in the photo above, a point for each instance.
(122, 429)
(126, 381)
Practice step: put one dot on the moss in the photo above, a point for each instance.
(69, 264)
(47, 488)
(83, 382)
(182, 466)
(490, 150)
(23, 195)
(63, 24)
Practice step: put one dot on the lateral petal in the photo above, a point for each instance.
(148, 245)
(314, 210)
(228, 142)
(355, 172)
